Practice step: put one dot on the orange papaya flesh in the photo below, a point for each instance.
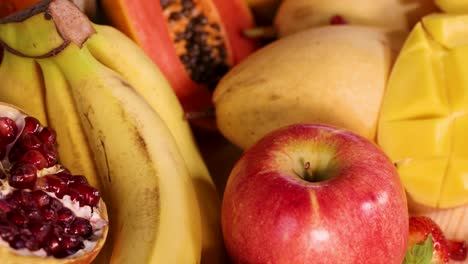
(8, 7)
(424, 116)
(193, 42)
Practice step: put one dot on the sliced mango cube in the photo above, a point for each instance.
(455, 183)
(415, 138)
(423, 178)
(423, 126)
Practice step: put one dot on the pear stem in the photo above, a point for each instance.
(260, 32)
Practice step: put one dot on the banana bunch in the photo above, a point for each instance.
(119, 123)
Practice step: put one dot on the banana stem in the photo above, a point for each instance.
(260, 32)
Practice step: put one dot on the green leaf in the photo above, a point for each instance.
(420, 253)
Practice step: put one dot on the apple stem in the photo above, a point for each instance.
(308, 172)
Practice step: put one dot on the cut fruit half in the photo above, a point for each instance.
(424, 116)
(194, 42)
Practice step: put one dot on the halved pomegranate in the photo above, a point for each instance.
(194, 42)
(47, 215)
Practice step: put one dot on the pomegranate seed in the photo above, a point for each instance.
(65, 216)
(338, 20)
(40, 230)
(23, 176)
(30, 242)
(57, 230)
(13, 203)
(75, 195)
(51, 183)
(15, 153)
(25, 231)
(50, 153)
(85, 194)
(17, 242)
(49, 214)
(30, 142)
(33, 214)
(65, 175)
(24, 198)
(52, 246)
(73, 243)
(81, 227)
(2, 150)
(78, 179)
(457, 250)
(35, 158)
(17, 217)
(8, 130)
(55, 204)
(31, 125)
(8, 232)
(4, 206)
(40, 197)
(47, 136)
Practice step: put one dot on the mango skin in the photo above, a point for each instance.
(424, 117)
(332, 75)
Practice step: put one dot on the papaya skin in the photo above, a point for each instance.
(333, 75)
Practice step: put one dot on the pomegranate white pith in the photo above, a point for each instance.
(45, 211)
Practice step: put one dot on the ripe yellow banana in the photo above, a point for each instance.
(63, 118)
(118, 52)
(153, 207)
(21, 85)
(154, 213)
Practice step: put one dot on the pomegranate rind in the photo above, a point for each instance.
(143, 21)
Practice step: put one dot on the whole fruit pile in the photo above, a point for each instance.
(341, 140)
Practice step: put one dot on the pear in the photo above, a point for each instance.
(334, 75)
(296, 15)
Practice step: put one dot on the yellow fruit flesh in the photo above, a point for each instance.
(424, 117)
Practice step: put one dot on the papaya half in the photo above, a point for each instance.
(193, 42)
(424, 115)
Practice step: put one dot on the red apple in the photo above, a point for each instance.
(314, 194)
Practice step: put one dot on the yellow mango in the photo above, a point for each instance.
(423, 124)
